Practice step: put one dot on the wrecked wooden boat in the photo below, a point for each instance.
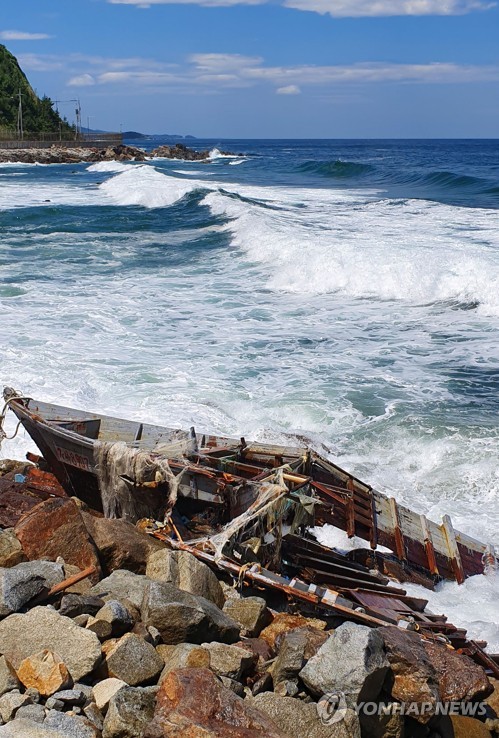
(137, 470)
(246, 509)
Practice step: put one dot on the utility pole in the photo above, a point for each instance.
(20, 129)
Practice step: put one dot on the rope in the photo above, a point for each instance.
(3, 434)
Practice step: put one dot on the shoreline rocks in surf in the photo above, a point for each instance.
(57, 154)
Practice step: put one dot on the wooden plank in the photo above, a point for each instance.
(399, 538)
(453, 550)
(428, 544)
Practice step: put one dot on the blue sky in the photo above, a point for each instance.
(256, 69)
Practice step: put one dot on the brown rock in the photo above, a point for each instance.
(46, 672)
(120, 544)
(192, 703)
(55, 528)
(459, 678)
(11, 551)
(467, 727)
(283, 622)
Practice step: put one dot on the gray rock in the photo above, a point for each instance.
(229, 661)
(92, 713)
(70, 696)
(130, 711)
(82, 620)
(23, 582)
(352, 660)
(122, 585)
(23, 728)
(8, 677)
(36, 713)
(184, 571)
(11, 551)
(290, 658)
(104, 691)
(101, 628)
(70, 726)
(85, 688)
(297, 719)
(10, 704)
(234, 686)
(250, 612)
(182, 617)
(34, 694)
(43, 628)
(134, 661)
(287, 688)
(117, 616)
(73, 605)
(53, 704)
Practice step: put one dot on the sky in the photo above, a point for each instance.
(266, 69)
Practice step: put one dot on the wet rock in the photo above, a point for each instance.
(11, 552)
(23, 582)
(55, 528)
(179, 151)
(181, 656)
(45, 672)
(283, 622)
(130, 711)
(8, 677)
(105, 690)
(122, 585)
(297, 719)
(43, 628)
(73, 605)
(193, 702)
(134, 661)
(229, 661)
(458, 677)
(353, 660)
(412, 677)
(185, 572)
(181, 617)
(10, 704)
(120, 544)
(250, 612)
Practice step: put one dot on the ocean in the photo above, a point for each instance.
(339, 293)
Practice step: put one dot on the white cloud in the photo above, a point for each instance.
(22, 36)
(288, 90)
(344, 8)
(81, 80)
(365, 8)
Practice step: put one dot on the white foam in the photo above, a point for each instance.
(109, 166)
(217, 154)
(145, 186)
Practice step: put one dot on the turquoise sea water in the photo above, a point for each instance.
(346, 292)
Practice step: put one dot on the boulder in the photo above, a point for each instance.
(458, 677)
(181, 617)
(71, 697)
(11, 551)
(8, 677)
(92, 713)
(130, 711)
(229, 661)
(185, 572)
(120, 545)
(412, 677)
(105, 690)
(70, 726)
(352, 660)
(298, 719)
(45, 672)
(43, 628)
(467, 727)
(73, 605)
(181, 656)
(35, 713)
(134, 661)
(193, 702)
(10, 704)
(290, 658)
(55, 528)
(122, 585)
(115, 616)
(250, 612)
(283, 622)
(23, 582)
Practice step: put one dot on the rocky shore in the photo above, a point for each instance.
(107, 633)
(75, 155)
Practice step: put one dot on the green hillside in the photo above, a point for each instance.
(38, 114)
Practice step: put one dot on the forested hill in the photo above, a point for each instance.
(38, 114)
